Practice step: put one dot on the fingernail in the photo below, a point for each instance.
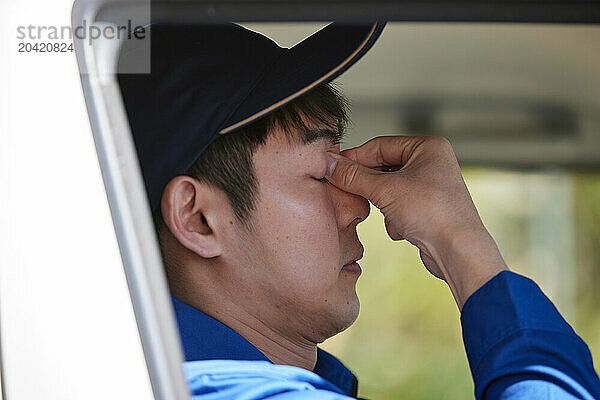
(331, 162)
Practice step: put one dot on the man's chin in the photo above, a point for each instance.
(349, 315)
(340, 314)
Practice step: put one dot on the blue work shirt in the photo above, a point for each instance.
(205, 338)
(517, 343)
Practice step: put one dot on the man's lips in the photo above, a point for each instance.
(352, 265)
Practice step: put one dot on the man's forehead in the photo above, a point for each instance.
(298, 148)
(311, 135)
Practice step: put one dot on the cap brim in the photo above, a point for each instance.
(318, 59)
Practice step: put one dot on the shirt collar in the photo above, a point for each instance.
(205, 338)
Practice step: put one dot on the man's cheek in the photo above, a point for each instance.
(317, 223)
(304, 210)
(303, 222)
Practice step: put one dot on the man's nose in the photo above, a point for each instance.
(350, 208)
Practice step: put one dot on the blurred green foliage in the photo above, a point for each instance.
(407, 341)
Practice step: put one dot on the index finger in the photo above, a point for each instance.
(384, 150)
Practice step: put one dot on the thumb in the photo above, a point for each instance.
(352, 177)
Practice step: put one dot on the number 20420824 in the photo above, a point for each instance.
(45, 47)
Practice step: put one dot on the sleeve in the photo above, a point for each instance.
(520, 347)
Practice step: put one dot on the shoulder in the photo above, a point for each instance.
(227, 379)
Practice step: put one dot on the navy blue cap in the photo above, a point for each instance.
(213, 79)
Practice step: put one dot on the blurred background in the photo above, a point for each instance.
(520, 104)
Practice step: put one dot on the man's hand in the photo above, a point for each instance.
(416, 183)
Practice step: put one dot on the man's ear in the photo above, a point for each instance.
(193, 212)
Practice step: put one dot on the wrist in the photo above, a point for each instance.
(468, 260)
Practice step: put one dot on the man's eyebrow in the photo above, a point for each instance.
(313, 135)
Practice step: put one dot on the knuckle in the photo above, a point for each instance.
(383, 193)
(349, 175)
(444, 141)
(439, 143)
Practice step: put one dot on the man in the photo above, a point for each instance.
(278, 265)
(257, 226)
